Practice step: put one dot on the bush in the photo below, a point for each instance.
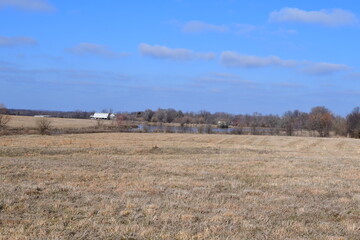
(4, 120)
(208, 129)
(200, 128)
(145, 128)
(237, 130)
(43, 125)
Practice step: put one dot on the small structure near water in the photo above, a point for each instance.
(222, 124)
(103, 116)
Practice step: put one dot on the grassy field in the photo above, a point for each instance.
(67, 123)
(178, 186)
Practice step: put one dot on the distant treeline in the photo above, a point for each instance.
(57, 114)
(320, 121)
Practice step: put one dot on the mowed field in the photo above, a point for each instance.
(178, 186)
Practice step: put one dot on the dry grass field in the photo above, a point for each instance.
(178, 186)
(65, 123)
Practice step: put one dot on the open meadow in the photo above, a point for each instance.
(178, 186)
(62, 123)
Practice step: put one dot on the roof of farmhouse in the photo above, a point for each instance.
(101, 115)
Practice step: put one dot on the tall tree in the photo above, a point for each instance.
(353, 123)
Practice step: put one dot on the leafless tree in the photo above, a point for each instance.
(288, 122)
(4, 119)
(340, 126)
(320, 120)
(353, 123)
(147, 115)
(44, 125)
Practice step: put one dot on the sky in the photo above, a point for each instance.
(229, 56)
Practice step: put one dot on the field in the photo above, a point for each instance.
(63, 123)
(178, 186)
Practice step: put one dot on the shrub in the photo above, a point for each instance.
(200, 128)
(4, 120)
(208, 129)
(43, 125)
(237, 130)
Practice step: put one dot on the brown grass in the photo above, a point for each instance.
(178, 186)
(67, 123)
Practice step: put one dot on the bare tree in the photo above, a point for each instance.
(288, 122)
(320, 120)
(353, 123)
(147, 115)
(44, 125)
(4, 119)
(340, 126)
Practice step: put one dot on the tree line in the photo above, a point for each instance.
(320, 121)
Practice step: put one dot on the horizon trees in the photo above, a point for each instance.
(320, 119)
(353, 123)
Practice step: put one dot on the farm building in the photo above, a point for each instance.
(105, 116)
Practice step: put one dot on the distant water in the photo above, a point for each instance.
(201, 129)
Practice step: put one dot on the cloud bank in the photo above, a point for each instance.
(329, 17)
(28, 5)
(178, 54)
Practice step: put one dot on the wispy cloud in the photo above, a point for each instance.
(329, 17)
(83, 49)
(288, 85)
(245, 28)
(199, 26)
(28, 5)
(354, 76)
(233, 59)
(323, 68)
(58, 73)
(233, 28)
(223, 78)
(179, 54)
(17, 41)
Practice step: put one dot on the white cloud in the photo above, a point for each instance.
(199, 26)
(28, 5)
(323, 68)
(17, 41)
(233, 59)
(180, 54)
(95, 49)
(330, 17)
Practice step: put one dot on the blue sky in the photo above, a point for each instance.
(231, 56)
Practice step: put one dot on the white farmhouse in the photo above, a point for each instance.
(104, 116)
